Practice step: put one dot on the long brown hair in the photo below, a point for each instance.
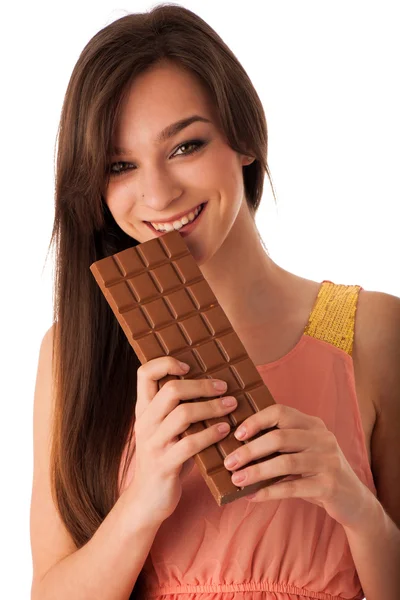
(94, 366)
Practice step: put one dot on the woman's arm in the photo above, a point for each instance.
(375, 548)
(375, 540)
(108, 566)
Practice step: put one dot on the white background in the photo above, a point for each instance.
(327, 74)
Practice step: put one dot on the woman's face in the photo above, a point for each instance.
(154, 181)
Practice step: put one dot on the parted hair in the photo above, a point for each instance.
(94, 367)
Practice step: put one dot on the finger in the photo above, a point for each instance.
(278, 440)
(176, 392)
(180, 419)
(295, 488)
(278, 415)
(194, 443)
(298, 463)
(148, 376)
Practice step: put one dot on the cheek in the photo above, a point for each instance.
(119, 201)
(222, 171)
(231, 186)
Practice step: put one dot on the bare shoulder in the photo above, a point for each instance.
(46, 346)
(377, 351)
(50, 541)
(377, 343)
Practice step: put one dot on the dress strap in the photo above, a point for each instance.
(332, 318)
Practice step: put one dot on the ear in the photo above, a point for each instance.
(247, 160)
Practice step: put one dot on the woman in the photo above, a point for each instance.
(161, 125)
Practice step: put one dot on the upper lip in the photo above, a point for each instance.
(178, 216)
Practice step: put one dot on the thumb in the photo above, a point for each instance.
(186, 468)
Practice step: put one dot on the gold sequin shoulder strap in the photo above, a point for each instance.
(332, 318)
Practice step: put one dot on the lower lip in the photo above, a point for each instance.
(186, 229)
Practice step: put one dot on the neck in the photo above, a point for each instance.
(245, 280)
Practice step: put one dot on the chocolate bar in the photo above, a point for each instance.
(167, 308)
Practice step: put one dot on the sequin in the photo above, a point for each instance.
(332, 319)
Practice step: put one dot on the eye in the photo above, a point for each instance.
(121, 167)
(196, 143)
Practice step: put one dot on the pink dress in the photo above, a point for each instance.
(286, 549)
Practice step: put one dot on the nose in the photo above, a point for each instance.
(159, 190)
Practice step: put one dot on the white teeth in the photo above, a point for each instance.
(179, 223)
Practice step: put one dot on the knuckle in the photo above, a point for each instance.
(280, 412)
(319, 422)
(189, 444)
(216, 407)
(208, 387)
(288, 462)
(278, 436)
(327, 440)
(332, 440)
(255, 472)
(183, 413)
(245, 455)
(281, 409)
(276, 440)
(172, 387)
(141, 372)
(172, 362)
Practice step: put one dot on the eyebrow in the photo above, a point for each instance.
(168, 131)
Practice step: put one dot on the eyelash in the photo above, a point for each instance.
(197, 143)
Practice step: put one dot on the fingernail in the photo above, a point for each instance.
(240, 433)
(238, 477)
(223, 427)
(184, 366)
(231, 461)
(220, 385)
(229, 401)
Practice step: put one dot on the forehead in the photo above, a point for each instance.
(160, 96)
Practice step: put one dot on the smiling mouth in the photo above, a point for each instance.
(183, 226)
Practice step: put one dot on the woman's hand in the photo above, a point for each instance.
(309, 451)
(161, 416)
